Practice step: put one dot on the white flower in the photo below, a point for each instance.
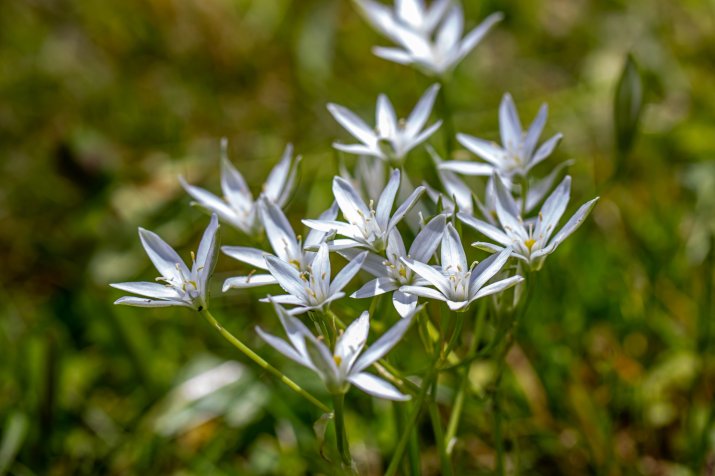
(238, 207)
(391, 273)
(531, 240)
(458, 194)
(311, 289)
(346, 364)
(286, 246)
(391, 139)
(366, 227)
(428, 39)
(455, 282)
(182, 286)
(408, 13)
(518, 153)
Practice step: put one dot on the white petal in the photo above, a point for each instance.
(210, 201)
(347, 273)
(387, 199)
(487, 269)
(152, 290)
(316, 236)
(385, 118)
(166, 260)
(476, 35)
(487, 150)
(322, 359)
(353, 124)
(279, 232)
(545, 150)
(284, 348)
(250, 281)
(383, 345)
(427, 240)
(350, 344)
(278, 180)
(320, 270)
(143, 302)
(288, 277)
(552, 210)
(404, 303)
(406, 206)
(498, 287)
(424, 292)
(457, 305)
(509, 124)
(572, 225)
(377, 387)
(375, 287)
(251, 256)
(465, 167)
(485, 228)
(393, 54)
(234, 187)
(349, 201)
(419, 115)
(451, 30)
(453, 257)
(206, 255)
(358, 149)
(435, 277)
(535, 130)
(373, 263)
(424, 135)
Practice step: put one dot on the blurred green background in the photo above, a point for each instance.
(103, 104)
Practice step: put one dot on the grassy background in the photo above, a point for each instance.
(102, 104)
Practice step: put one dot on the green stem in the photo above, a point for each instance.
(454, 417)
(444, 460)
(340, 433)
(262, 363)
(498, 437)
(411, 422)
(446, 113)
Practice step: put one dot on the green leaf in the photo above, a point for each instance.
(13, 435)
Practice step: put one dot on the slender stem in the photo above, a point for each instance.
(411, 422)
(454, 417)
(444, 460)
(340, 434)
(262, 363)
(498, 437)
(446, 113)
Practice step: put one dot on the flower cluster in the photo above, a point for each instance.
(405, 237)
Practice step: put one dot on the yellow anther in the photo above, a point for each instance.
(193, 257)
(403, 272)
(337, 360)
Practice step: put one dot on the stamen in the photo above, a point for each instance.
(338, 360)
(530, 243)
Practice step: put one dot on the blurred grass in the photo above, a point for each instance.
(102, 104)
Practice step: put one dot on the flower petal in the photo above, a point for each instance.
(250, 256)
(144, 302)
(419, 115)
(375, 287)
(353, 124)
(377, 387)
(487, 269)
(166, 260)
(250, 281)
(387, 199)
(383, 345)
(152, 290)
(347, 273)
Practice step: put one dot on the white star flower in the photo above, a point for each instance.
(286, 246)
(518, 153)
(181, 286)
(311, 289)
(366, 227)
(392, 139)
(430, 39)
(455, 282)
(391, 273)
(238, 207)
(345, 365)
(531, 240)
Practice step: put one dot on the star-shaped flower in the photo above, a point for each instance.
(517, 154)
(430, 39)
(391, 139)
(366, 227)
(391, 272)
(286, 246)
(181, 286)
(311, 289)
(457, 283)
(238, 207)
(531, 240)
(345, 365)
